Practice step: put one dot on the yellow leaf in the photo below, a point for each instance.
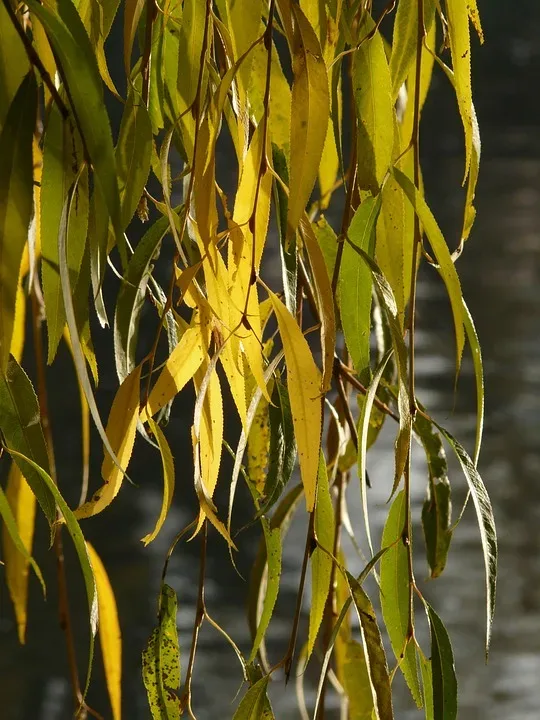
(474, 15)
(182, 364)
(310, 109)
(121, 429)
(17, 339)
(460, 48)
(325, 302)
(23, 505)
(168, 479)
(329, 167)
(259, 445)
(304, 384)
(110, 636)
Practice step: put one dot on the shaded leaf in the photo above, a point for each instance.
(405, 40)
(443, 670)
(255, 704)
(356, 683)
(16, 201)
(168, 479)
(269, 588)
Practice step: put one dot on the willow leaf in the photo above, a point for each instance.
(161, 661)
(427, 684)
(120, 431)
(310, 105)
(375, 656)
(321, 561)
(445, 698)
(22, 502)
(355, 285)
(405, 39)
(478, 365)
(374, 107)
(486, 523)
(72, 46)
(255, 704)
(168, 479)
(21, 427)
(303, 382)
(110, 637)
(395, 595)
(272, 539)
(356, 682)
(14, 65)
(16, 201)
(440, 248)
(460, 48)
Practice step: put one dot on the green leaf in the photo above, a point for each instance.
(326, 237)
(486, 523)
(161, 661)
(443, 671)
(355, 285)
(437, 508)
(131, 297)
(272, 539)
(446, 267)
(75, 532)
(21, 427)
(321, 561)
(255, 704)
(478, 365)
(395, 595)
(310, 105)
(405, 40)
(71, 44)
(11, 526)
(356, 683)
(374, 108)
(427, 684)
(375, 656)
(133, 155)
(282, 452)
(16, 200)
(62, 157)
(14, 63)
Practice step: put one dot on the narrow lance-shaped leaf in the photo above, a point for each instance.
(168, 479)
(16, 201)
(255, 704)
(478, 365)
(21, 427)
(445, 697)
(110, 636)
(321, 561)
(356, 682)
(427, 684)
(309, 117)
(405, 39)
(437, 508)
(22, 502)
(72, 46)
(303, 382)
(375, 655)
(79, 542)
(395, 595)
(14, 63)
(486, 523)
(121, 430)
(355, 285)
(161, 661)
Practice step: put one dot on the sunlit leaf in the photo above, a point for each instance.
(395, 595)
(161, 661)
(168, 479)
(427, 684)
(405, 40)
(269, 589)
(110, 636)
(310, 110)
(22, 502)
(121, 430)
(321, 562)
(255, 704)
(16, 201)
(356, 683)
(303, 382)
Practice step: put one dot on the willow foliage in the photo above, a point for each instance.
(320, 104)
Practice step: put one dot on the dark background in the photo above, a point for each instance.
(500, 276)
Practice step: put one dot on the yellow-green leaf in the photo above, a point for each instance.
(356, 682)
(303, 382)
(255, 704)
(161, 661)
(321, 561)
(110, 636)
(405, 40)
(16, 201)
(168, 479)
(374, 108)
(121, 430)
(395, 591)
(14, 63)
(309, 116)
